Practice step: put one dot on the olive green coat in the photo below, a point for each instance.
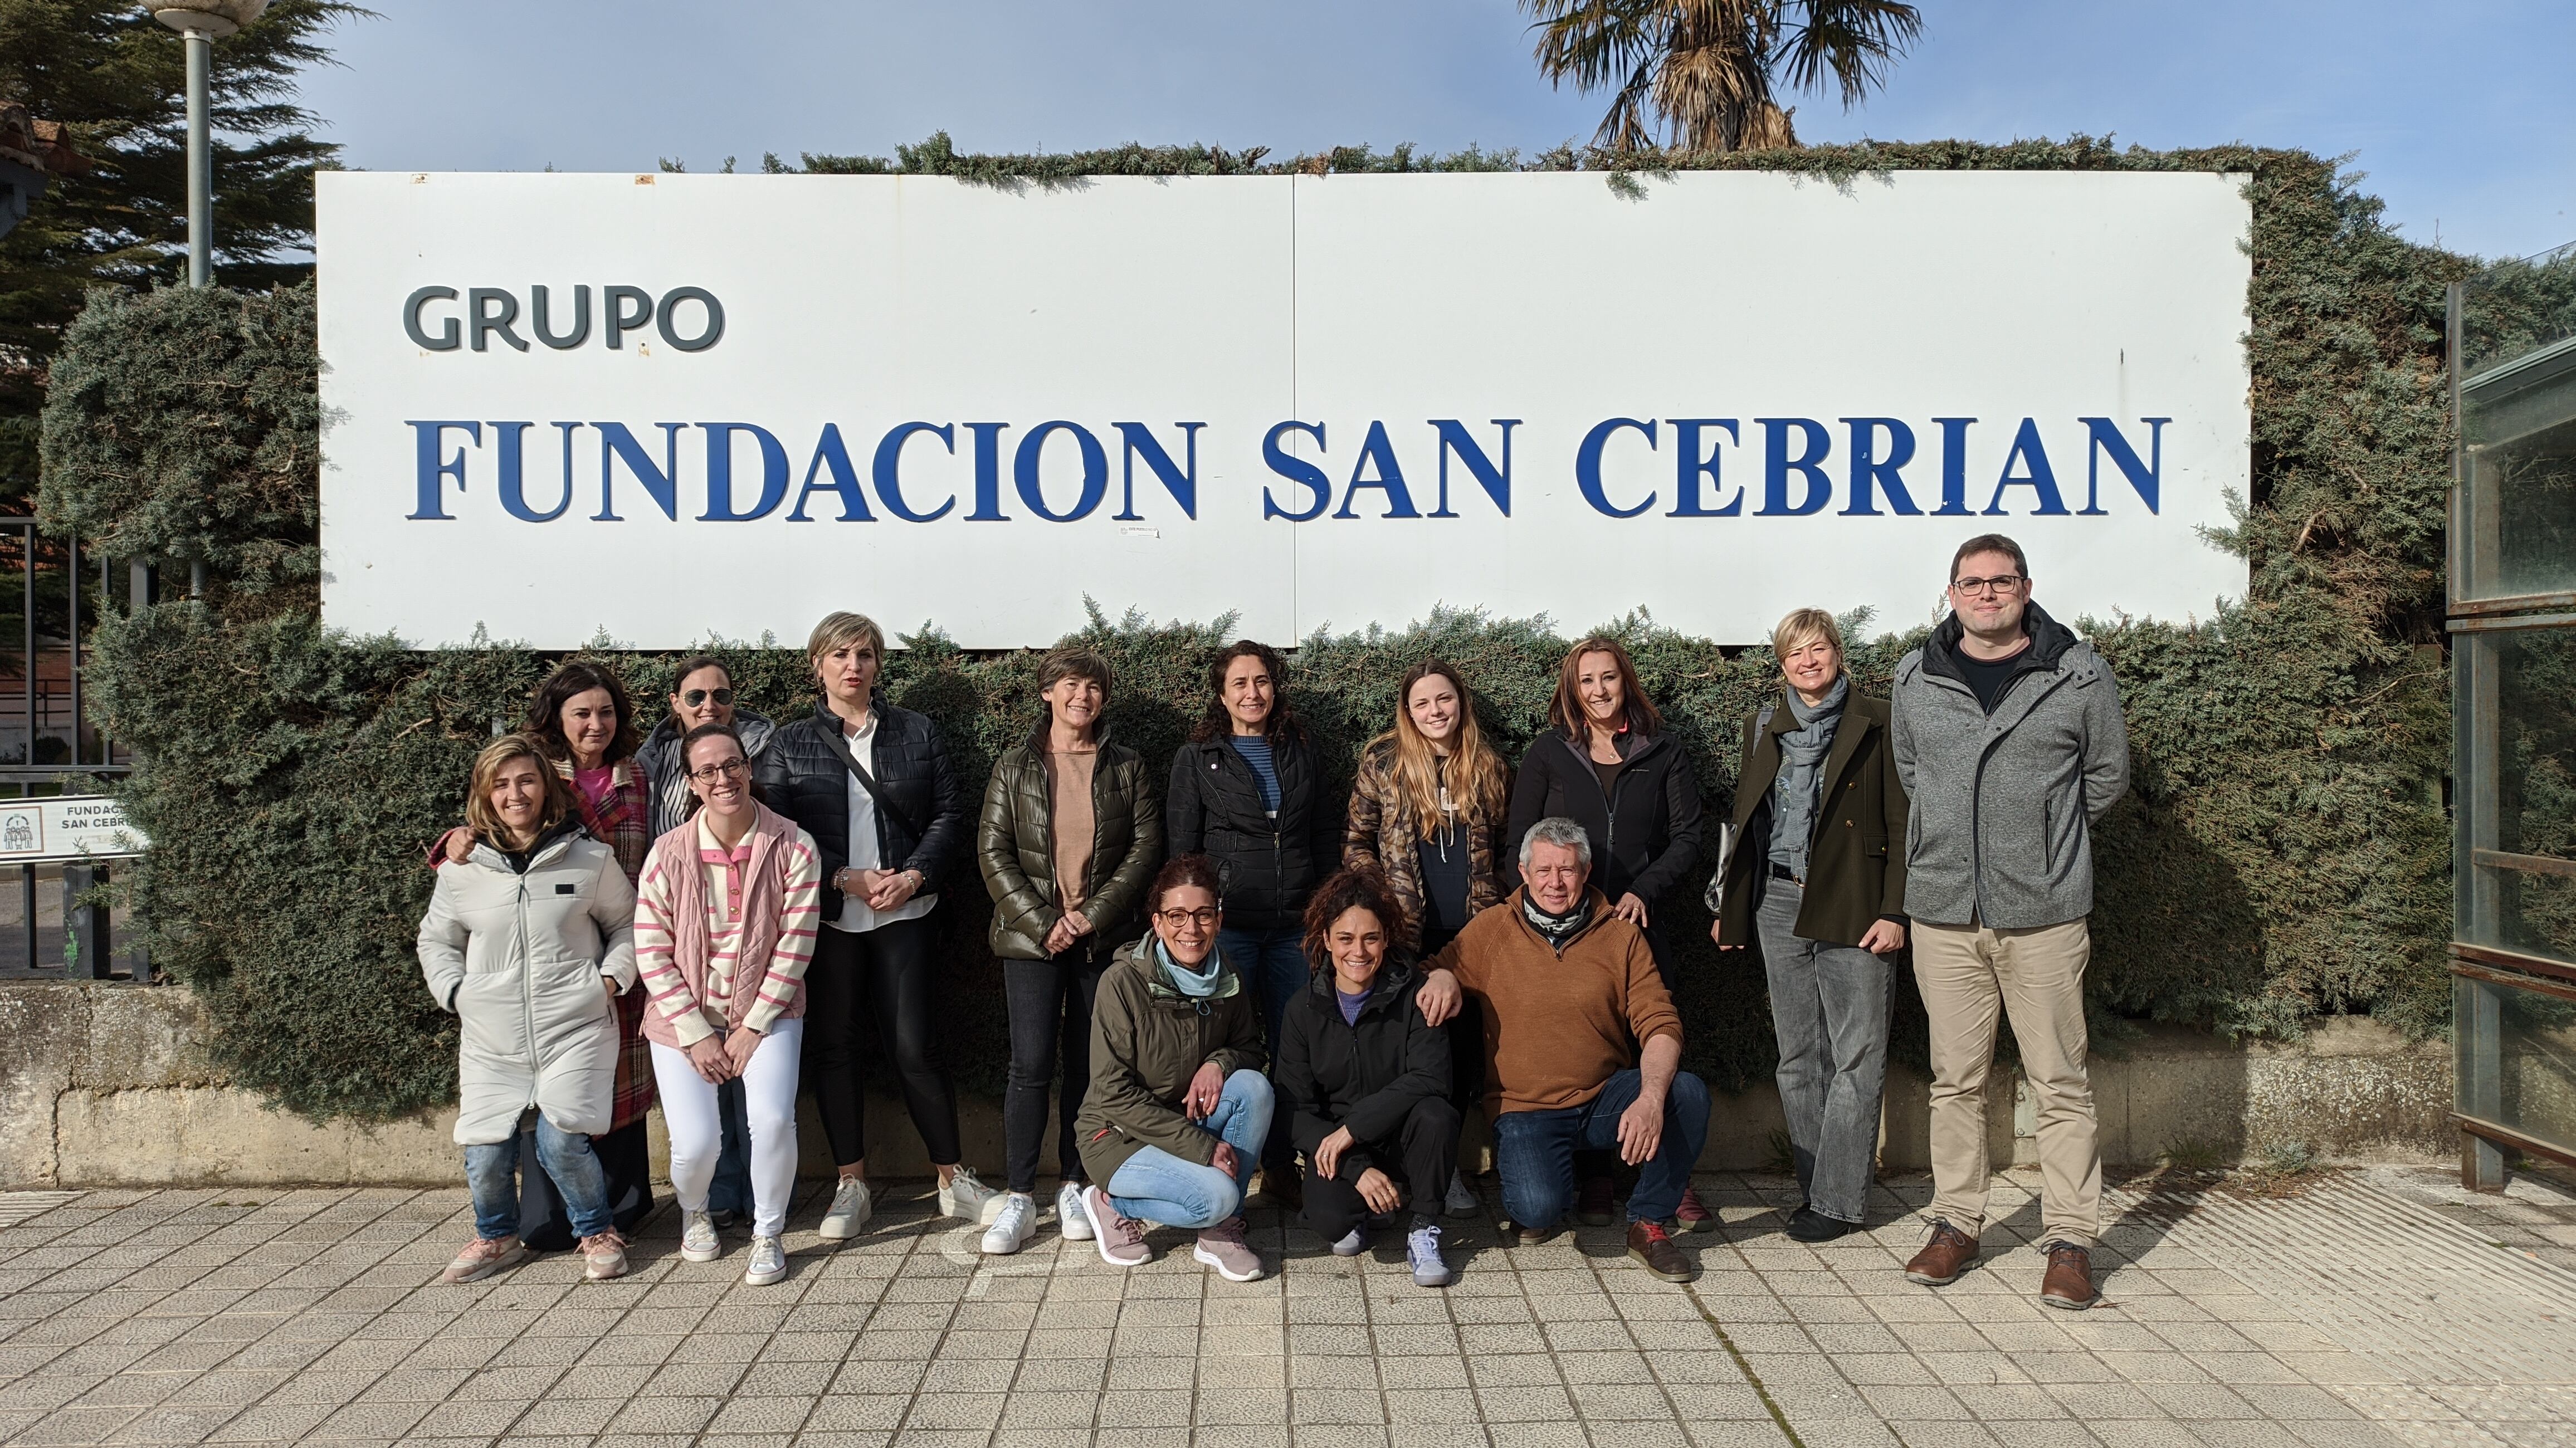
(1853, 878)
(1147, 1041)
(1015, 844)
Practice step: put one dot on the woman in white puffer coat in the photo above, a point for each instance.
(530, 941)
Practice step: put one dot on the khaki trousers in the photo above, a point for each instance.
(2037, 976)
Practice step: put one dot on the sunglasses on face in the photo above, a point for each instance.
(696, 697)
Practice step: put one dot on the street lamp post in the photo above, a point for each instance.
(202, 24)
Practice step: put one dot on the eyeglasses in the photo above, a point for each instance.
(695, 697)
(733, 768)
(1175, 919)
(2000, 583)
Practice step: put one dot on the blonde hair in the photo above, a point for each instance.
(1802, 627)
(483, 819)
(840, 630)
(1477, 780)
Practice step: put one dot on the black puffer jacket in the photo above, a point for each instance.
(1267, 868)
(802, 777)
(1367, 1076)
(1645, 835)
(1015, 845)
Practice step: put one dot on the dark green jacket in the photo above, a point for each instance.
(1147, 1041)
(1015, 844)
(1854, 878)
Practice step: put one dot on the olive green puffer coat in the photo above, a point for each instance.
(1016, 847)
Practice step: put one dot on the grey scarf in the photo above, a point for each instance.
(1801, 778)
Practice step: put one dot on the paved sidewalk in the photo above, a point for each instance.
(2368, 1308)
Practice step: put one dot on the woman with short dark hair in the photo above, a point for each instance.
(1247, 790)
(1364, 1080)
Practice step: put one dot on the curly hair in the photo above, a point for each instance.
(545, 710)
(1280, 728)
(1362, 887)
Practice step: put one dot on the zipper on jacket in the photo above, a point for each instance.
(1977, 797)
(528, 992)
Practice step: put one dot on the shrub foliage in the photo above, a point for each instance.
(2284, 854)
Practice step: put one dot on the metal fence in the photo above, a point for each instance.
(65, 926)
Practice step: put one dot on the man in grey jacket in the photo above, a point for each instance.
(2008, 735)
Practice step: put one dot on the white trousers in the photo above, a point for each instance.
(769, 1103)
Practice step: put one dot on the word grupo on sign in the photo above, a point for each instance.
(1308, 401)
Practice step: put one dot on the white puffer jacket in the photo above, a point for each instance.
(519, 959)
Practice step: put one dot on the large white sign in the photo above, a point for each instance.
(680, 407)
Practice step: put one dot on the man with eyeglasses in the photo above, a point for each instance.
(2008, 735)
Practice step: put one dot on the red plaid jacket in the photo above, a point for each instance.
(623, 821)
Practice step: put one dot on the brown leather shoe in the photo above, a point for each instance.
(2069, 1283)
(1653, 1248)
(1943, 1258)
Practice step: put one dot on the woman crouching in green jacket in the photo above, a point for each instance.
(1070, 835)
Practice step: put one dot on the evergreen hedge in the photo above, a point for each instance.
(2283, 855)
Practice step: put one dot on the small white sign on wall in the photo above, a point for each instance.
(69, 827)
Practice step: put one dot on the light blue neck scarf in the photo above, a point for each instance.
(1198, 985)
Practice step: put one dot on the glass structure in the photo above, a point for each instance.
(2512, 617)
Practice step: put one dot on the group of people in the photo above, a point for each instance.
(1226, 996)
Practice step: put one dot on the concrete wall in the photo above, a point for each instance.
(106, 1085)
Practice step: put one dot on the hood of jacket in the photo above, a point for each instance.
(548, 846)
(1158, 981)
(2049, 641)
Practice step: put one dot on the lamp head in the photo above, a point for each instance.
(216, 18)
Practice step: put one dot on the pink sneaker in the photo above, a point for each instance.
(1223, 1248)
(603, 1256)
(1121, 1239)
(482, 1257)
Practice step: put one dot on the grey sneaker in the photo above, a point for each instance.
(1461, 1200)
(698, 1240)
(850, 1210)
(1223, 1248)
(1422, 1249)
(1068, 1213)
(482, 1257)
(968, 1199)
(768, 1262)
(1121, 1239)
(1353, 1243)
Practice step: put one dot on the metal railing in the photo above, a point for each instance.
(65, 927)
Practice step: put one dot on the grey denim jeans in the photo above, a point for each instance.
(1829, 1006)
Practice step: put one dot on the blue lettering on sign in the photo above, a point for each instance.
(1800, 475)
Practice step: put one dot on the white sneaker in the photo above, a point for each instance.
(968, 1199)
(1461, 1200)
(698, 1240)
(851, 1208)
(1013, 1225)
(767, 1264)
(1069, 1216)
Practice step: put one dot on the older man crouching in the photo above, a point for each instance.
(1571, 999)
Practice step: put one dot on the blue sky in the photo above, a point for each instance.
(2459, 113)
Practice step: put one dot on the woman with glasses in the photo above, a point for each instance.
(1069, 838)
(1428, 807)
(528, 942)
(872, 784)
(703, 694)
(581, 719)
(725, 919)
(1247, 790)
(1178, 1108)
(1608, 765)
(1812, 877)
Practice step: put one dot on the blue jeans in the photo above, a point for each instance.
(1273, 963)
(731, 1190)
(1160, 1187)
(1534, 1151)
(491, 1174)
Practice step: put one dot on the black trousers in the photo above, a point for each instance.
(1419, 1156)
(1050, 1009)
(624, 1155)
(881, 982)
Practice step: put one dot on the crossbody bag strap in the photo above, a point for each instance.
(868, 782)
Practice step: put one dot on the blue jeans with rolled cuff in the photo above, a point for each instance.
(1534, 1151)
(1157, 1186)
(492, 1175)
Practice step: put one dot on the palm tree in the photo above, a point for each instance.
(1709, 69)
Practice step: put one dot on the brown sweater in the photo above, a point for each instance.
(1558, 1026)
